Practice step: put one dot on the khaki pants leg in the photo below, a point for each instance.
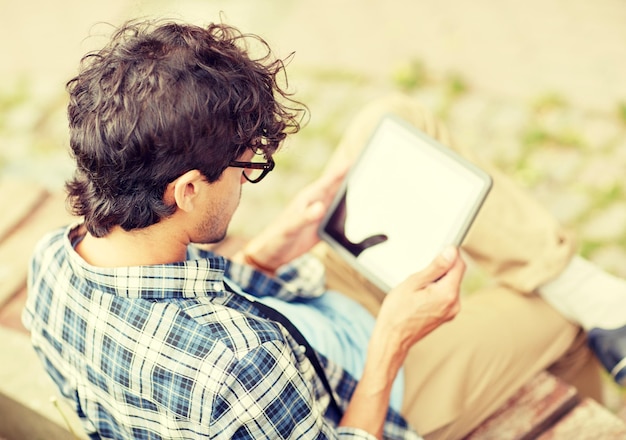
(467, 368)
(464, 370)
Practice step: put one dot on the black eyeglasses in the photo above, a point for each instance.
(254, 172)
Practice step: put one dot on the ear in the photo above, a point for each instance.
(185, 190)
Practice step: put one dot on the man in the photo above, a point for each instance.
(150, 337)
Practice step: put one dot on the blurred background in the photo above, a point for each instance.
(539, 87)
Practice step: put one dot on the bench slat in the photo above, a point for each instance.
(588, 421)
(16, 249)
(18, 201)
(529, 412)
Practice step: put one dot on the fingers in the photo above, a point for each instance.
(314, 200)
(438, 267)
(330, 181)
(339, 167)
(454, 276)
(315, 211)
(449, 285)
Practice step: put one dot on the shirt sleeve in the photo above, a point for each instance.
(302, 278)
(266, 395)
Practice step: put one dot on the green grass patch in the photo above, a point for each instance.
(455, 85)
(549, 102)
(606, 198)
(589, 247)
(535, 135)
(411, 76)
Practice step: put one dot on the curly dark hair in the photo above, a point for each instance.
(161, 99)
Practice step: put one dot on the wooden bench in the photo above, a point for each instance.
(548, 408)
(545, 408)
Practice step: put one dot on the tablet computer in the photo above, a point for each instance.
(405, 198)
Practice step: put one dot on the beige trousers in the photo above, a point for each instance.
(504, 334)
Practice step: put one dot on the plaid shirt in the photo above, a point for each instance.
(165, 351)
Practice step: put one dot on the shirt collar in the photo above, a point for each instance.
(186, 279)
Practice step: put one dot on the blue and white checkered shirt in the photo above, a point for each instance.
(165, 351)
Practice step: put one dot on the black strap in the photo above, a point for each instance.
(274, 315)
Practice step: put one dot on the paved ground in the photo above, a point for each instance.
(537, 86)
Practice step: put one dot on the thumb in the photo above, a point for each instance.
(315, 211)
(439, 266)
(449, 254)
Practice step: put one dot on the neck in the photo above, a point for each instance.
(157, 244)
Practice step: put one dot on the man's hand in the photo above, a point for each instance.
(423, 301)
(294, 232)
(409, 312)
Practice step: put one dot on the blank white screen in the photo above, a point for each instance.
(412, 192)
